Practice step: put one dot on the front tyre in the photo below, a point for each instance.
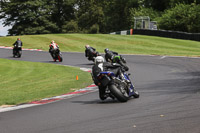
(121, 96)
(60, 58)
(136, 94)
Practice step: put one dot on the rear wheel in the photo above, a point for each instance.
(119, 93)
(19, 54)
(14, 52)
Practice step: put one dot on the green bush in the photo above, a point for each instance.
(70, 27)
(94, 29)
(181, 18)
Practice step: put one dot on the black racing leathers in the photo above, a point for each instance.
(89, 52)
(17, 45)
(109, 55)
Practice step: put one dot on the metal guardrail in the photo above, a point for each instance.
(161, 33)
(168, 34)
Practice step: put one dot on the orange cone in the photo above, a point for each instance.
(76, 77)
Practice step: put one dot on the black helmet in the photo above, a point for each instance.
(106, 50)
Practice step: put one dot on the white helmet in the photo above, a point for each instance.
(99, 59)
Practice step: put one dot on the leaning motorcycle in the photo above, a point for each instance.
(17, 51)
(117, 88)
(57, 55)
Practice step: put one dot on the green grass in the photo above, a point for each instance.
(22, 81)
(135, 44)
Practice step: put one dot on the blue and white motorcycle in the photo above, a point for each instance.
(117, 88)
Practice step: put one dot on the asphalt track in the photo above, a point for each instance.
(169, 100)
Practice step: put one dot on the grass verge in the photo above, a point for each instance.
(22, 82)
(135, 44)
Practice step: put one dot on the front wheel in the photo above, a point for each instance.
(136, 94)
(60, 58)
(117, 92)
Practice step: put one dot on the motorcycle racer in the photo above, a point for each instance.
(100, 66)
(17, 46)
(113, 57)
(90, 52)
(53, 46)
(109, 54)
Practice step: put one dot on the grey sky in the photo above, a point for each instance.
(3, 30)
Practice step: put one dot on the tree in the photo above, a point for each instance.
(35, 16)
(89, 14)
(173, 3)
(159, 5)
(62, 11)
(117, 16)
(181, 18)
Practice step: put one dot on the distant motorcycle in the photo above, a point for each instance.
(93, 55)
(116, 87)
(57, 55)
(17, 51)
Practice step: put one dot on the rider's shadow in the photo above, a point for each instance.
(108, 101)
(87, 64)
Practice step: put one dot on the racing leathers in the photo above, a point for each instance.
(52, 47)
(109, 55)
(89, 53)
(17, 44)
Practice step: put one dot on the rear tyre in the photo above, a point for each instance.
(121, 96)
(19, 54)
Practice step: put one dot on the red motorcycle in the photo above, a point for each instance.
(56, 55)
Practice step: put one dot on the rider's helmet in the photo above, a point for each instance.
(87, 46)
(18, 38)
(52, 41)
(99, 59)
(106, 50)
